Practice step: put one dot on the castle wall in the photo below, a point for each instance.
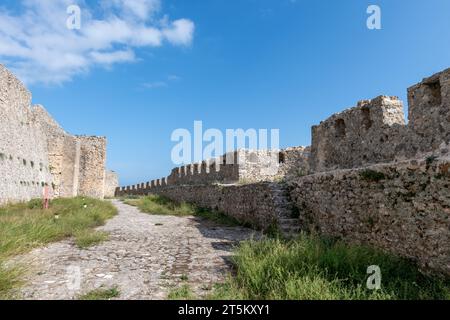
(429, 111)
(24, 165)
(63, 154)
(294, 162)
(258, 165)
(368, 177)
(373, 132)
(400, 207)
(252, 204)
(35, 151)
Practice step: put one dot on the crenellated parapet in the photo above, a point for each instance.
(241, 166)
(429, 111)
(368, 133)
(374, 131)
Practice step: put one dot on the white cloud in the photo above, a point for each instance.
(161, 84)
(113, 57)
(38, 47)
(141, 9)
(179, 32)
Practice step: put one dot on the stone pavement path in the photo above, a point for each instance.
(145, 256)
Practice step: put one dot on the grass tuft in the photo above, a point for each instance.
(182, 293)
(158, 205)
(312, 268)
(88, 238)
(101, 294)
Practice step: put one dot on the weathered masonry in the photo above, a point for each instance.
(375, 131)
(368, 177)
(36, 152)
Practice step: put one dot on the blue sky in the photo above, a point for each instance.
(280, 64)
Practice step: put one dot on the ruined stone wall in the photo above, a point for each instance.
(258, 165)
(252, 204)
(375, 131)
(24, 164)
(402, 207)
(233, 167)
(35, 151)
(294, 162)
(210, 171)
(429, 111)
(368, 178)
(111, 184)
(242, 166)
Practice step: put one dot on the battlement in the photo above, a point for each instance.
(235, 167)
(374, 131)
(363, 134)
(429, 110)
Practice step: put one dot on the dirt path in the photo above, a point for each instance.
(145, 256)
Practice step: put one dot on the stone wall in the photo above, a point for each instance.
(372, 132)
(241, 166)
(368, 177)
(401, 207)
(35, 151)
(375, 131)
(24, 163)
(429, 111)
(258, 165)
(294, 162)
(111, 184)
(63, 153)
(252, 204)
(92, 166)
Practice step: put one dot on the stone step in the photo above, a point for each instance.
(289, 227)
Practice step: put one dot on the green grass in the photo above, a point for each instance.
(9, 280)
(88, 238)
(311, 268)
(26, 226)
(101, 294)
(158, 205)
(182, 293)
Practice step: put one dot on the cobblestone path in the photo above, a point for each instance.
(145, 257)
